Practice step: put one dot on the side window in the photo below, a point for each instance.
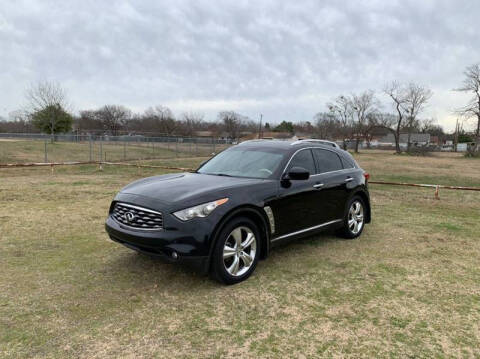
(303, 159)
(347, 163)
(327, 161)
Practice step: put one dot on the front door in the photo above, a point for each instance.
(298, 204)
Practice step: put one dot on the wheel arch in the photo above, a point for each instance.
(363, 194)
(255, 214)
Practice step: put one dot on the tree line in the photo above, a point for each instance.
(160, 120)
(357, 116)
(351, 117)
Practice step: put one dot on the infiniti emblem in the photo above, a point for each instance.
(129, 216)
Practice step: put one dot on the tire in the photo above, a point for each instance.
(354, 220)
(236, 251)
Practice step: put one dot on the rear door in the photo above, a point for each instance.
(333, 178)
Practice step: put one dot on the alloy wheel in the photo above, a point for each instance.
(355, 217)
(239, 251)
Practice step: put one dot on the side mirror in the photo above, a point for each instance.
(298, 173)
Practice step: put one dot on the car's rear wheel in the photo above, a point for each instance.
(354, 220)
(236, 251)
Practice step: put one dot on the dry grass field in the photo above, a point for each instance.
(22, 151)
(409, 287)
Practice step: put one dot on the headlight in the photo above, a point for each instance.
(202, 210)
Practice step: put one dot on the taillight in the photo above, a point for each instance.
(366, 175)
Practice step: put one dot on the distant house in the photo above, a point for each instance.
(416, 139)
(435, 140)
(204, 133)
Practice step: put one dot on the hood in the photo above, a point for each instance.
(183, 187)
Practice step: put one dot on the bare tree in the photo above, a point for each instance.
(191, 122)
(341, 108)
(398, 95)
(389, 122)
(162, 118)
(88, 121)
(18, 121)
(416, 98)
(430, 126)
(471, 83)
(232, 122)
(326, 126)
(369, 127)
(363, 105)
(305, 127)
(46, 95)
(113, 117)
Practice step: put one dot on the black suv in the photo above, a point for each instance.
(229, 213)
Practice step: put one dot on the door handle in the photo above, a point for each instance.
(318, 185)
(349, 179)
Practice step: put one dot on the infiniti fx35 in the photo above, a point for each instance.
(230, 212)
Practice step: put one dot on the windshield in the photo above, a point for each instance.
(243, 163)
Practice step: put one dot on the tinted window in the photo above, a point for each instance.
(240, 162)
(303, 159)
(327, 161)
(347, 163)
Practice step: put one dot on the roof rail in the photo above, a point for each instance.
(324, 142)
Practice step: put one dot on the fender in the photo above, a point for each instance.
(249, 210)
(362, 191)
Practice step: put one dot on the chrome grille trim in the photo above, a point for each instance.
(142, 219)
(139, 208)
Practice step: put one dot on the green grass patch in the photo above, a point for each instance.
(450, 227)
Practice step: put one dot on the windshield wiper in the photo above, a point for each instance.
(222, 174)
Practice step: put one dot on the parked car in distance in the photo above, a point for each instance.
(235, 207)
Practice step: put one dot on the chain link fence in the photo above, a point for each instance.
(27, 148)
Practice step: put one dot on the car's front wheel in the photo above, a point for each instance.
(354, 220)
(236, 251)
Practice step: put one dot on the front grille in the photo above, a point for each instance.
(137, 217)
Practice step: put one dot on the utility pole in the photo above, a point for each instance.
(260, 127)
(52, 123)
(455, 138)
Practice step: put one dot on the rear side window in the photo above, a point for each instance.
(327, 161)
(303, 159)
(347, 160)
(347, 163)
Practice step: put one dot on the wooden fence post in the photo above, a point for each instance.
(101, 156)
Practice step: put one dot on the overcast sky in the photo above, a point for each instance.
(284, 59)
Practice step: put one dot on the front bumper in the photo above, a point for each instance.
(189, 243)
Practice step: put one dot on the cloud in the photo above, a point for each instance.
(281, 58)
